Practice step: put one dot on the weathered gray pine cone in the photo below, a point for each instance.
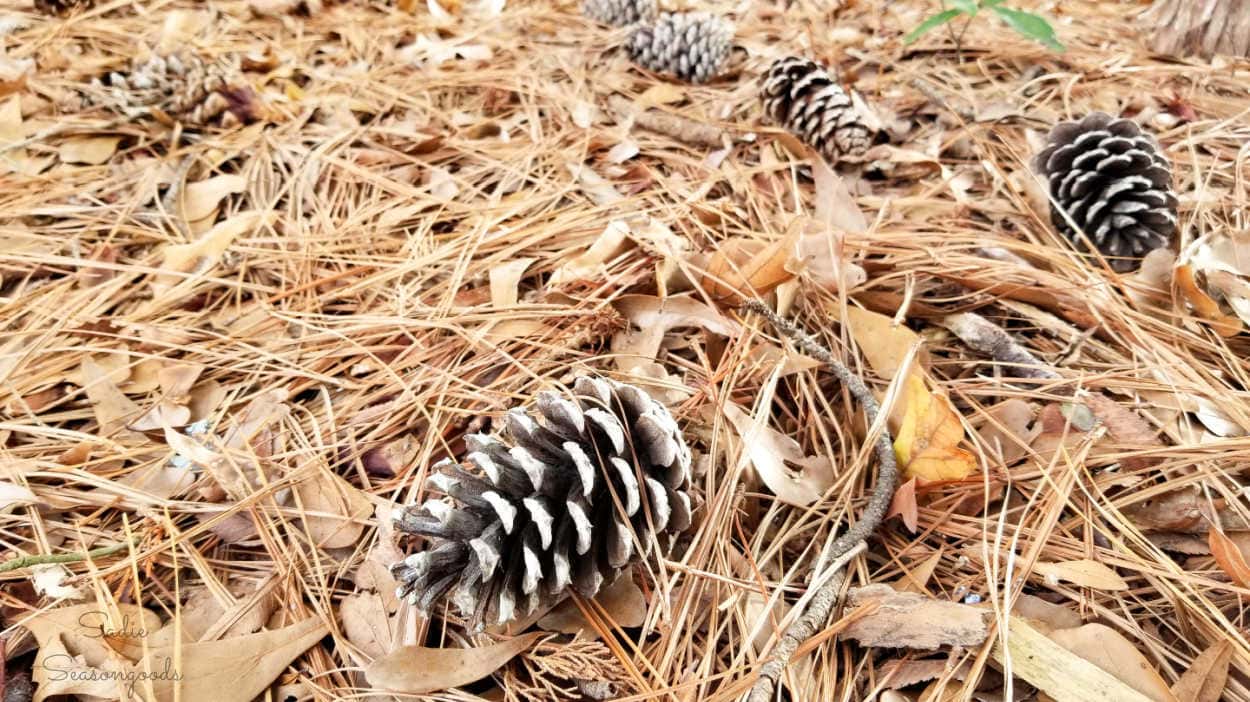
(799, 95)
(620, 13)
(573, 491)
(692, 46)
(1110, 179)
(181, 86)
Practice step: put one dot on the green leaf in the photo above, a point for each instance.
(968, 7)
(1030, 25)
(930, 24)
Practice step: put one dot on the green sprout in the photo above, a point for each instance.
(1033, 26)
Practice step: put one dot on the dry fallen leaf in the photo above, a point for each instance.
(337, 510)
(1229, 557)
(1010, 430)
(417, 669)
(1203, 305)
(504, 280)
(199, 200)
(112, 408)
(202, 254)
(653, 317)
(769, 451)
(742, 268)
(1083, 573)
(13, 496)
(911, 620)
(1109, 650)
(1207, 675)
(1060, 673)
(91, 150)
(366, 623)
(590, 264)
(928, 441)
(904, 505)
(623, 601)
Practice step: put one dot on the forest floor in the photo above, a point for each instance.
(228, 350)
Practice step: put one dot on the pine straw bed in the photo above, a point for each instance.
(352, 330)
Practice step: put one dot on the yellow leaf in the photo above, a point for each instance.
(884, 344)
(927, 444)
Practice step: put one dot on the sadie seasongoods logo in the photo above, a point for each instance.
(62, 667)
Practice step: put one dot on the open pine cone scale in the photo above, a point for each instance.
(565, 499)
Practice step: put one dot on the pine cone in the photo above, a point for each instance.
(692, 46)
(62, 7)
(561, 500)
(1111, 180)
(799, 95)
(179, 86)
(620, 13)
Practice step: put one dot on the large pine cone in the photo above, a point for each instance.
(179, 86)
(692, 46)
(620, 13)
(800, 95)
(1110, 179)
(572, 493)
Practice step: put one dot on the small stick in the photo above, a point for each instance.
(74, 557)
(852, 540)
(983, 336)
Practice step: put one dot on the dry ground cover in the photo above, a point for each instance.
(238, 330)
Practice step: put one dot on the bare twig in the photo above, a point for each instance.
(680, 128)
(852, 539)
(983, 336)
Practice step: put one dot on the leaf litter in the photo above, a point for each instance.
(231, 348)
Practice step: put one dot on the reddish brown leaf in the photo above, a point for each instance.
(1229, 557)
(904, 505)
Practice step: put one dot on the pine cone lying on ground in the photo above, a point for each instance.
(800, 95)
(692, 46)
(179, 86)
(1110, 179)
(620, 13)
(575, 490)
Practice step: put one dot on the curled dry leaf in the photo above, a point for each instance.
(904, 505)
(655, 316)
(1109, 650)
(770, 450)
(199, 200)
(1083, 573)
(742, 268)
(1203, 304)
(910, 620)
(417, 669)
(202, 254)
(504, 280)
(590, 263)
